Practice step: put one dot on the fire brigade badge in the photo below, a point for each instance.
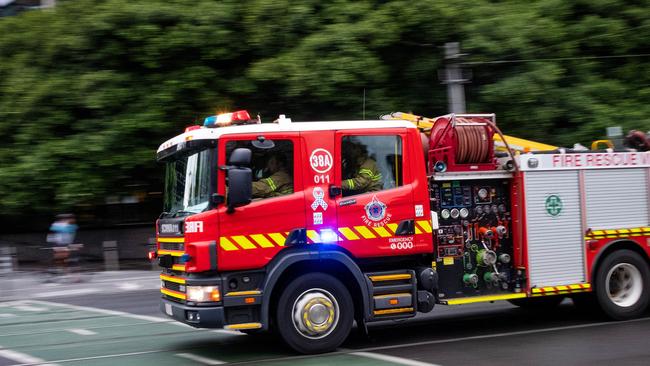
(375, 210)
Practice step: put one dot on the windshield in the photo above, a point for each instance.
(187, 183)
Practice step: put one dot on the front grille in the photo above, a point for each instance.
(173, 286)
(172, 246)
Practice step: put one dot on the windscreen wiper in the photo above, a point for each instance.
(184, 213)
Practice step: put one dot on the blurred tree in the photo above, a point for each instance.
(89, 89)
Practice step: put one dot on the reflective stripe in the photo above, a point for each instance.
(367, 234)
(173, 279)
(226, 244)
(313, 235)
(348, 233)
(243, 242)
(426, 227)
(271, 184)
(171, 293)
(171, 240)
(262, 241)
(392, 227)
(350, 183)
(278, 238)
(382, 232)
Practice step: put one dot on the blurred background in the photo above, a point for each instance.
(90, 88)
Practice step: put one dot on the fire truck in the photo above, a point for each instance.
(382, 220)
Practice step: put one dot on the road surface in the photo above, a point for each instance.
(118, 321)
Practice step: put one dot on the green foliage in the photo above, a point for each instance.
(89, 89)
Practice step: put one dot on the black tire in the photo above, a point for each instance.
(536, 303)
(298, 291)
(614, 272)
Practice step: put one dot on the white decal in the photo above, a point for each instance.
(318, 199)
(321, 160)
(419, 210)
(376, 214)
(318, 218)
(194, 226)
(321, 178)
(401, 243)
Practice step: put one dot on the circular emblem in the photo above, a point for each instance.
(375, 210)
(321, 160)
(553, 205)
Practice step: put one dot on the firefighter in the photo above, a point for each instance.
(360, 171)
(278, 183)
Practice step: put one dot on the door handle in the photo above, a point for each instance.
(405, 227)
(335, 191)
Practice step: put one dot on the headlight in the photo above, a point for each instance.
(203, 293)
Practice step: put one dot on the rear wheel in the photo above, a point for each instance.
(622, 282)
(314, 313)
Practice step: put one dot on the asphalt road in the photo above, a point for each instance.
(126, 327)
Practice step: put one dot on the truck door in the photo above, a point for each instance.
(376, 211)
(252, 234)
(318, 175)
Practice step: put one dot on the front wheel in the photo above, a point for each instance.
(622, 284)
(315, 313)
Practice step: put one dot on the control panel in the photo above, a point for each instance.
(473, 242)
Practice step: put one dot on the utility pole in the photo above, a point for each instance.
(452, 75)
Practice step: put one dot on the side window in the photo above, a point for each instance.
(370, 163)
(272, 166)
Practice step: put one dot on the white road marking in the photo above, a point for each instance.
(81, 291)
(497, 335)
(128, 286)
(81, 331)
(153, 319)
(96, 357)
(393, 359)
(29, 308)
(7, 315)
(200, 359)
(228, 331)
(22, 357)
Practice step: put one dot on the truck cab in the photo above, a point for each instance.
(250, 209)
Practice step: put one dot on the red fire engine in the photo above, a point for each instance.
(304, 228)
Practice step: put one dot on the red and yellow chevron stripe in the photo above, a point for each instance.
(560, 290)
(351, 233)
(617, 233)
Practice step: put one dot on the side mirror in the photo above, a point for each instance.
(240, 186)
(240, 157)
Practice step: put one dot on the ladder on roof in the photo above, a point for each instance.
(518, 144)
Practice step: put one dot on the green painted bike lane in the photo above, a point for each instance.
(46, 332)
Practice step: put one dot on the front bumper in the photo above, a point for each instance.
(204, 317)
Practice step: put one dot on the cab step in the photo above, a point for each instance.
(243, 326)
(394, 294)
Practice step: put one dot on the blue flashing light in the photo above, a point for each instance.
(184, 258)
(209, 121)
(328, 236)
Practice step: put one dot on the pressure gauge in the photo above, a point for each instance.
(502, 208)
(444, 214)
(479, 210)
(482, 193)
(464, 212)
(494, 208)
(455, 213)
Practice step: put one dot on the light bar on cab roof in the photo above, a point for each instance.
(227, 119)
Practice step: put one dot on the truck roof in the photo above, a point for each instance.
(215, 133)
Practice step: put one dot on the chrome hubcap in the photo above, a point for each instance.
(315, 313)
(624, 284)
